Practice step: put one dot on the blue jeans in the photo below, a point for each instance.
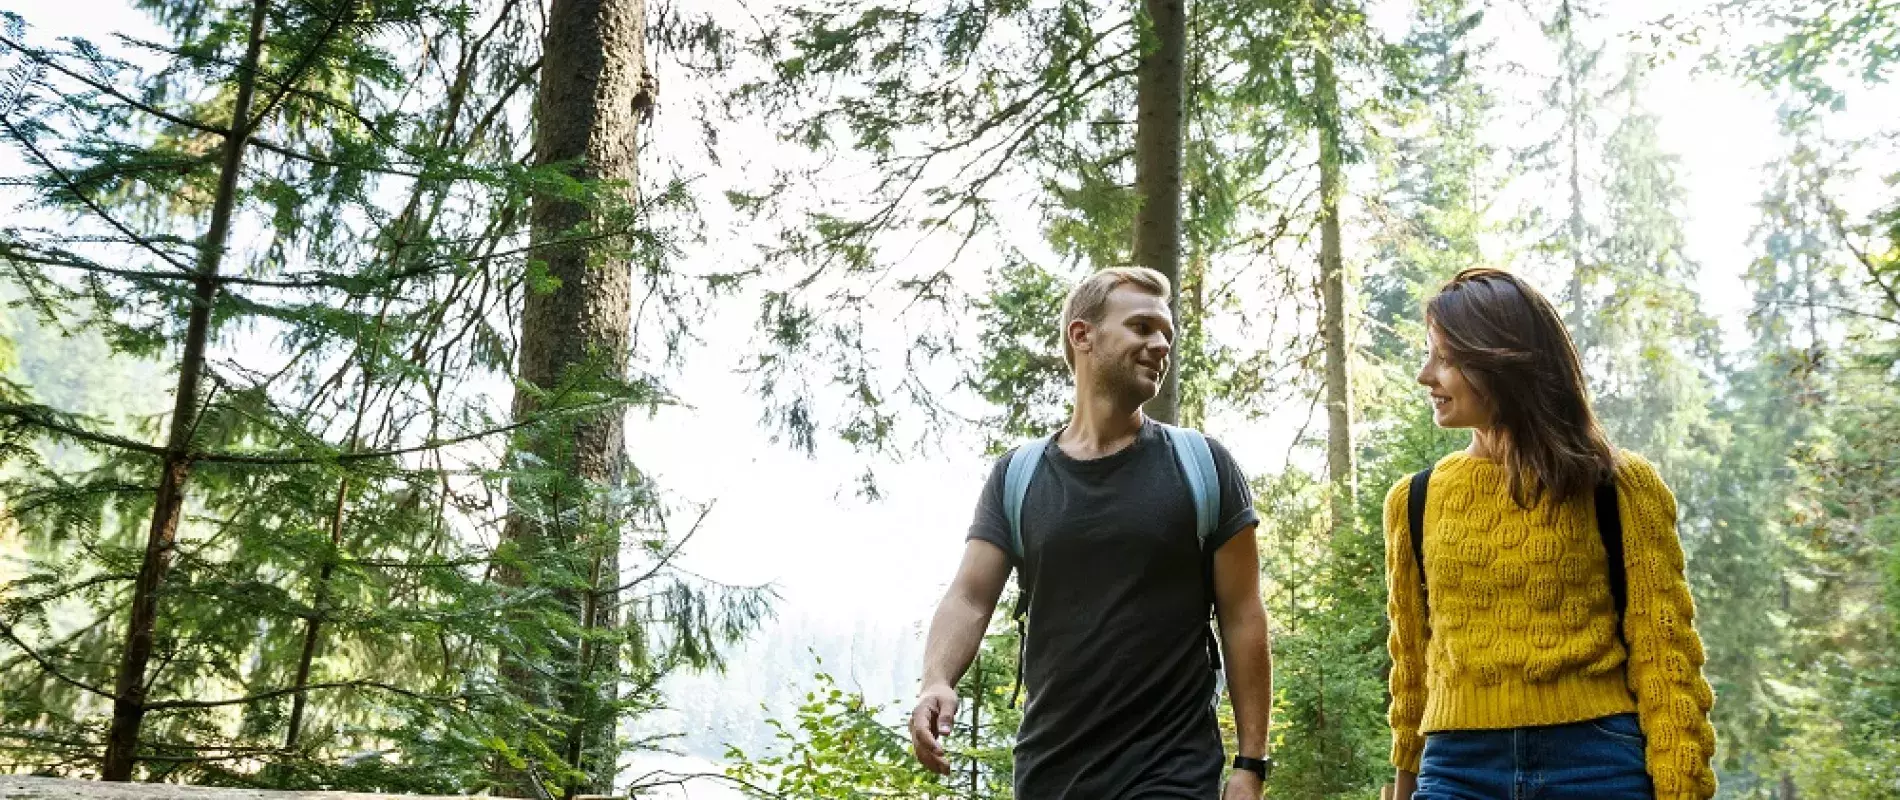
(1599, 759)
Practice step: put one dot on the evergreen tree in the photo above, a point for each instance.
(566, 513)
(1330, 608)
(1649, 349)
(297, 577)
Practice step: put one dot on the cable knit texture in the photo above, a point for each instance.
(1523, 627)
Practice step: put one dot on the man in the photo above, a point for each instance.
(1116, 664)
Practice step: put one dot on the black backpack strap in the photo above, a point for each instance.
(1415, 525)
(1019, 613)
(1022, 646)
(1610, 529)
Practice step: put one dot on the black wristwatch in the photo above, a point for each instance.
(1258, 766)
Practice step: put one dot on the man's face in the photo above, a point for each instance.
(1127, 352)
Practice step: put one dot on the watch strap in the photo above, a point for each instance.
(1258, 766)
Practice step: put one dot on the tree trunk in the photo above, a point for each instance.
(976, 730)
(1191, 335)
(313, 625)
(594, 93)
(407, 222)
(1159, 82)
(1573, 120)
(128, 703)
(1333, 299)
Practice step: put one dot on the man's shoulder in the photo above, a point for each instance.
(1222, 455)
(1001, 460)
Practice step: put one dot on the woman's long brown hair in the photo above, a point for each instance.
(1513, 347)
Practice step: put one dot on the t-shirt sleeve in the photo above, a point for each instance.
(1236, 499)
(989, 525)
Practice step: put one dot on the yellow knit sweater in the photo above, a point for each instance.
(1523, 627)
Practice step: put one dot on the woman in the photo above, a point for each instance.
(1511, 675)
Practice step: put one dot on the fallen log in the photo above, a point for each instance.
(21, 787)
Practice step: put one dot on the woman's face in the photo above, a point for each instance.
(1456, 403)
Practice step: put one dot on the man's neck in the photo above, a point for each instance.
(1099, 427)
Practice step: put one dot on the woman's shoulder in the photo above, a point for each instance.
(1637, 477)
(1401, 491)
(1631, 466)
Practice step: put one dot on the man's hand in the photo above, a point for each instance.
(930, 723)
(1243, 785)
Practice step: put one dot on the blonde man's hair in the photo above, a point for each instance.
(1088, 301)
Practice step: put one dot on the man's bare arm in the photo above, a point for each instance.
(964, 614)
(956, 632)
(1243, 629)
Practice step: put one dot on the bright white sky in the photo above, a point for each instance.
(794, 522)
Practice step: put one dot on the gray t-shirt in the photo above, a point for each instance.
(1116, 666)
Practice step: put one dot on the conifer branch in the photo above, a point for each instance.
(92, 205)
(289, 457)
(43, 417)
(8, 253)
(665, 558)
(187, 705)
(39, 57)
(320, 279)
(47, 666)
(1852, 312)
(305, 60)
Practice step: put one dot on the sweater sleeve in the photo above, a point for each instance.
(1665, 664)
(1405, 609)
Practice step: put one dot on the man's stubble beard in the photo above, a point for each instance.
(1119, 379)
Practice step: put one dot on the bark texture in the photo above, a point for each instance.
(594, 93)
(130, 686)
(1159, 95)
(1334, 296)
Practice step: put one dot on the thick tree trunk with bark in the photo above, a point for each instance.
(129, 690)
(1159, 97)
(1334, 297)
(594, 92)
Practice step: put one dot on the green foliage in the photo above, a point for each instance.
(1023, 371)
(840, 746)
(1822, 50)
(1328, 597)
(327, 614)
(332, 615)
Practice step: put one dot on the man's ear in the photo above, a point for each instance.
(1080, 334)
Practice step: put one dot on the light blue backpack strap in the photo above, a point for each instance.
(1197, 463)
(1022, 467)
